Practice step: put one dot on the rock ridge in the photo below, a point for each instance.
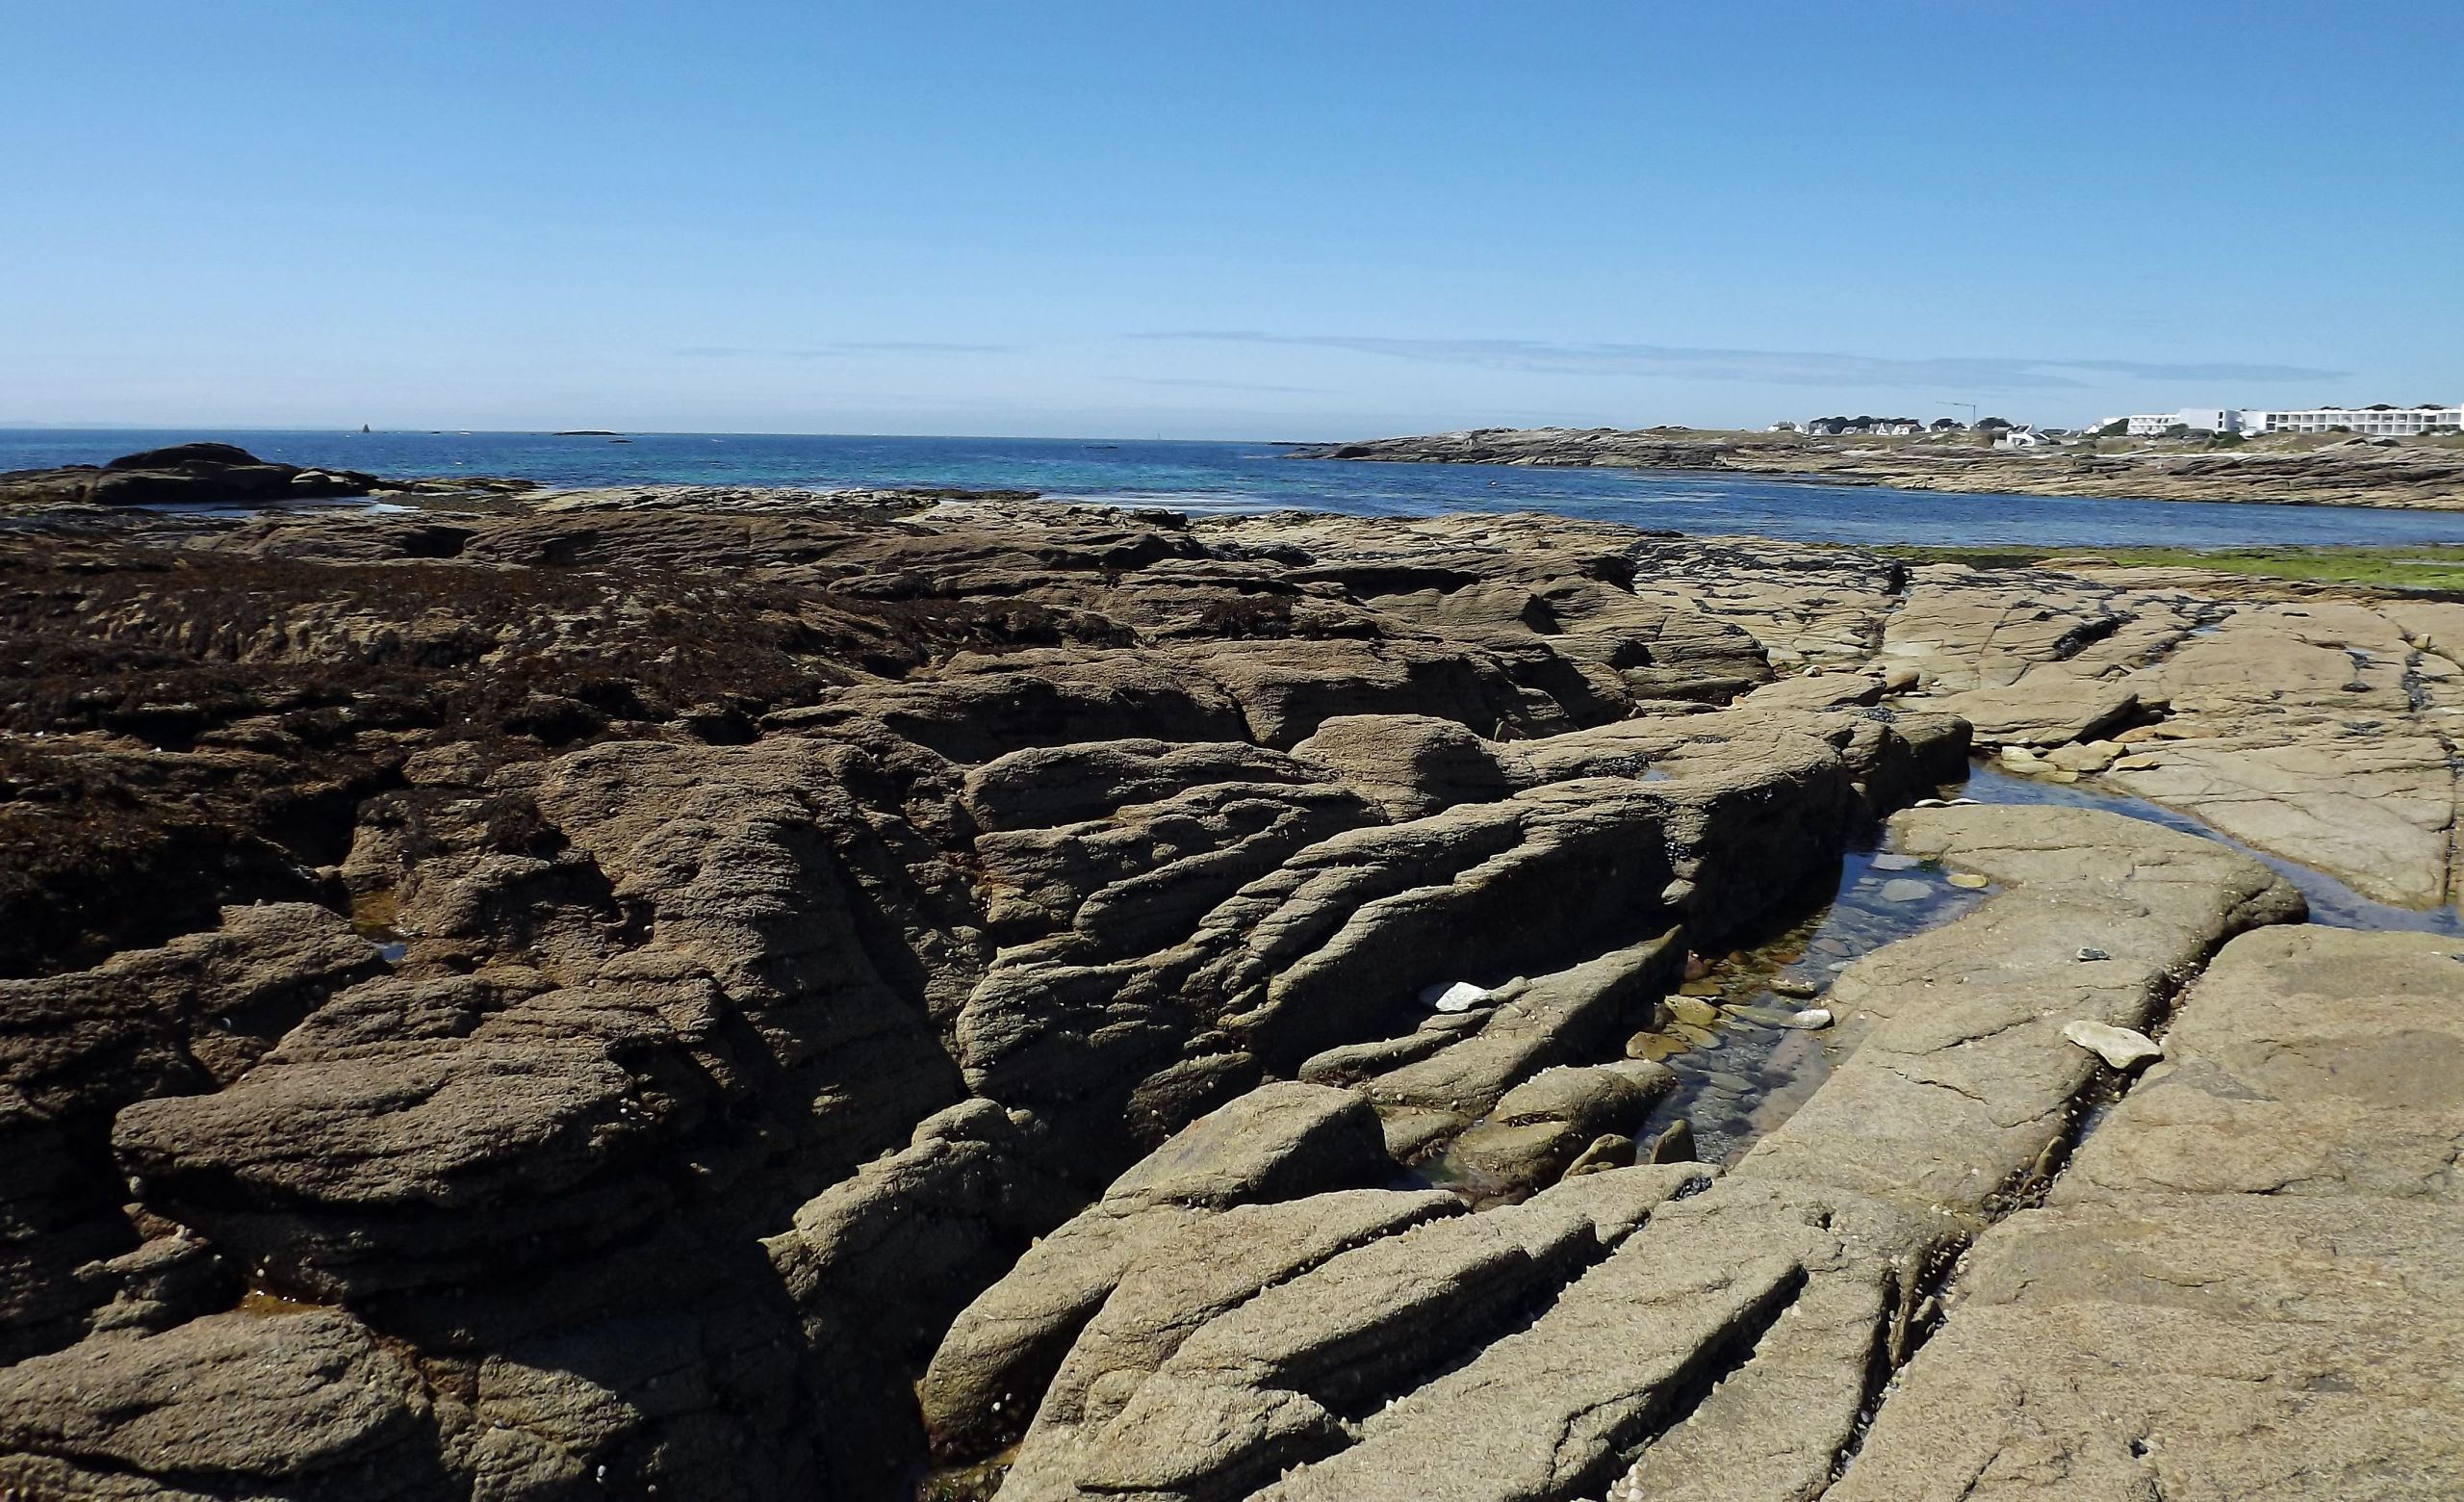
(728, 998)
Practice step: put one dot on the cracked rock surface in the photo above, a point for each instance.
(708, 995)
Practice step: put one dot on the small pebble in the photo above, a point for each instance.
(1653, 1046)
(1780, 1017)
(1612, 1149)
(1695, 1010)
(1892, 861)
(2094, 954)
(1971, 881)
(1675, 1145)
(1902, 888)
(1800, 990)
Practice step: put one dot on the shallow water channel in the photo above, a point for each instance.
(1741, 1074)
(1744, 1070)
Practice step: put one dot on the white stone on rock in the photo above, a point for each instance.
(1460, 996)
(2120, 1047)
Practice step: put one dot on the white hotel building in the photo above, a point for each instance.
(2372, 422)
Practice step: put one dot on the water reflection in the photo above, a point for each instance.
(2331, 901)
(1741, 1070)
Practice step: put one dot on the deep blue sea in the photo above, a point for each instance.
(1256, 476)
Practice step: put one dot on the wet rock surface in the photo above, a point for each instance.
(714, 996)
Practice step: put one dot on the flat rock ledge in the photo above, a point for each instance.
(1656, 1330)
(2245, 1284)
(729, 1000)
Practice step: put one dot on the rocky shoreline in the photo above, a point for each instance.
(218, 475)
(2357, 472)
(699, 993)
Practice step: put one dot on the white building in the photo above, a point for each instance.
(2212, 420)
(2381, 420)
(2023, 438)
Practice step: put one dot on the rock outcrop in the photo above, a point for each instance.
(652, 968)
(1655, 1330)
(2354, 472)
(216, 474)
(2242, 1287)
(188, 474)
(664, 996)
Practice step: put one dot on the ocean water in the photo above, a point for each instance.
(1202, 478)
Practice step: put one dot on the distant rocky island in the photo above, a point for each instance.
(2304, 470)
(215, 474)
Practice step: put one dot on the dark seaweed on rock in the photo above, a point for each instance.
(586, 998)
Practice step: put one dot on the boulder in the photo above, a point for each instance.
(1413, 764)
(1556, 1018)
(1278, 1142)
(254, 1402)
(188, 474)
(2045, 706)
(1540, 1128)
(1817, 692)
(79, 1047)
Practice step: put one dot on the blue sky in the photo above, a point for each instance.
(1263, 220)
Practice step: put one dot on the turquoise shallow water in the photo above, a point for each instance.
(1255, 477)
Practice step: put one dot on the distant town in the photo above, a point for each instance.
(2379, 421)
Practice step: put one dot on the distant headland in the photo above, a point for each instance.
(2420, 472)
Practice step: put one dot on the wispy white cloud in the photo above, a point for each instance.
(846, 348)
(1197, 384)
(1764, 366)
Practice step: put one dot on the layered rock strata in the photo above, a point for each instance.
(2244, 1287)
(635, 973)
(661, 995)
(1712, 1338)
